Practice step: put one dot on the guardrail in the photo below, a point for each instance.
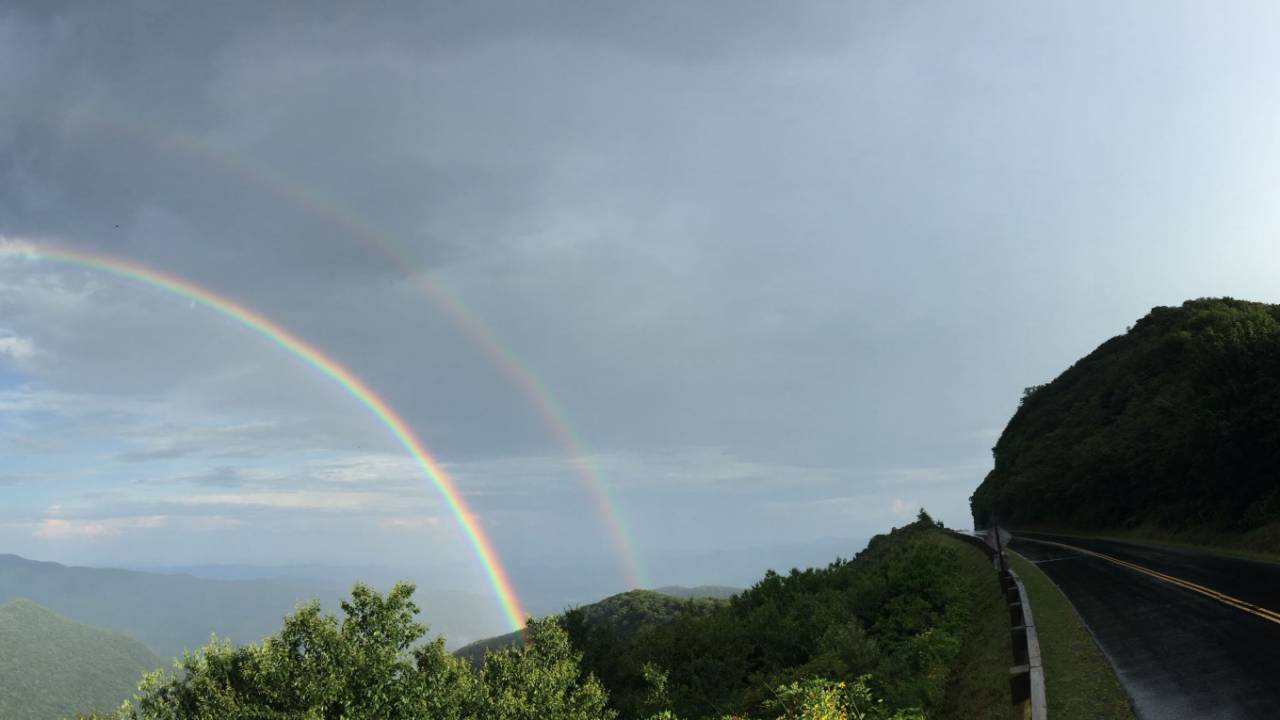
(1026, 676)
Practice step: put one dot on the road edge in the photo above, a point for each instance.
(1026, 675)
(1092, 636)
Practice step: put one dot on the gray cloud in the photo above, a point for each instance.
(777, 266)
(223, 476)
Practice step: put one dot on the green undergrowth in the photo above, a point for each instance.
(1079, 681)
(917, 615)
(981, 689)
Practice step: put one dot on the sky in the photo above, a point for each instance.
(783, 269)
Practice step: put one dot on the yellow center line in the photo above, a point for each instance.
(1258, 610)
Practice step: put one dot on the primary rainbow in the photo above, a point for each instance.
(462, 318)
(312, 355)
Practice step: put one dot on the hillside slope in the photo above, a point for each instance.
(51, 667)
(170, 613)
(911, 610)
(623, 614)
(722, 592)
(1173, 427)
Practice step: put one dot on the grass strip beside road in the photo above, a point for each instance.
(1079, 681)
(1253, 546)
(979, 689)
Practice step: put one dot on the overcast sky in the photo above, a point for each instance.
(784, 267)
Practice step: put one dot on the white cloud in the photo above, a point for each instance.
(380, 469)
(901, 507)
(16, 348)
(409, 522)
(213, 522)
(51, 528)
(295, 500)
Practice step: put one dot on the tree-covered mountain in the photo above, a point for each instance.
(624, 613)
(170, 613)
(897, 631)
(902, 612)
(722, 592)
(1172, 428)
(52, 667)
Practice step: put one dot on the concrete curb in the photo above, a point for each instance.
(1026, 676)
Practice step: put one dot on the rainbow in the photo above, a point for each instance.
(311, 355)
(462, 318)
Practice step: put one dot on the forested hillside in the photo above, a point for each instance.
(916, 622)
(51, 667)
(171, 613)
(1173, 427)
(624, 614)
(721, 592)
(901, 615)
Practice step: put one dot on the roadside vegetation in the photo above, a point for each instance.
(1079, 681)
(1170, 431)
(899, 618)
(981, 691)
(911, 627)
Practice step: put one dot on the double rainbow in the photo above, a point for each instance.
(462, 317)
(313, 356)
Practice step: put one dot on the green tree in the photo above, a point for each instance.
(1172, 429)
(819, 699)
(370, 665)
(541, 679)
(899, 612)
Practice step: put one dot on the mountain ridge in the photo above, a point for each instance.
(53, 666)
(1170, 429)
(172, 613)
(621, 612)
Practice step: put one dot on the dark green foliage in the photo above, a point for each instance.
(475, 652)
(51, 667)
(899, 611)
(796, 647)
(1174, 425)
(370, 665)
(623, 614)
(626, 613)
(721, 592)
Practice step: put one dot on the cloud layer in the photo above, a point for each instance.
(784, 271)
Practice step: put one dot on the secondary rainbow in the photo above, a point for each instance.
(326, 365)
(462, 317)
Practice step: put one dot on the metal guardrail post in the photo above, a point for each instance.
(1034, 687)
(1026, 675)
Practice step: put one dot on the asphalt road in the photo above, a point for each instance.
(1180, 653)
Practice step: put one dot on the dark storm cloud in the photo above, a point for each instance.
(748, 247)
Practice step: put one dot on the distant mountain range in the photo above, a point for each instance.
(52, 667)
(170, 613)
(171, 609)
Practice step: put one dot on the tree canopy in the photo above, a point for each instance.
(370, 664)
(1174, 425)
(873, 638)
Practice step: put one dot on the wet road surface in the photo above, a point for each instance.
(1179, 653)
